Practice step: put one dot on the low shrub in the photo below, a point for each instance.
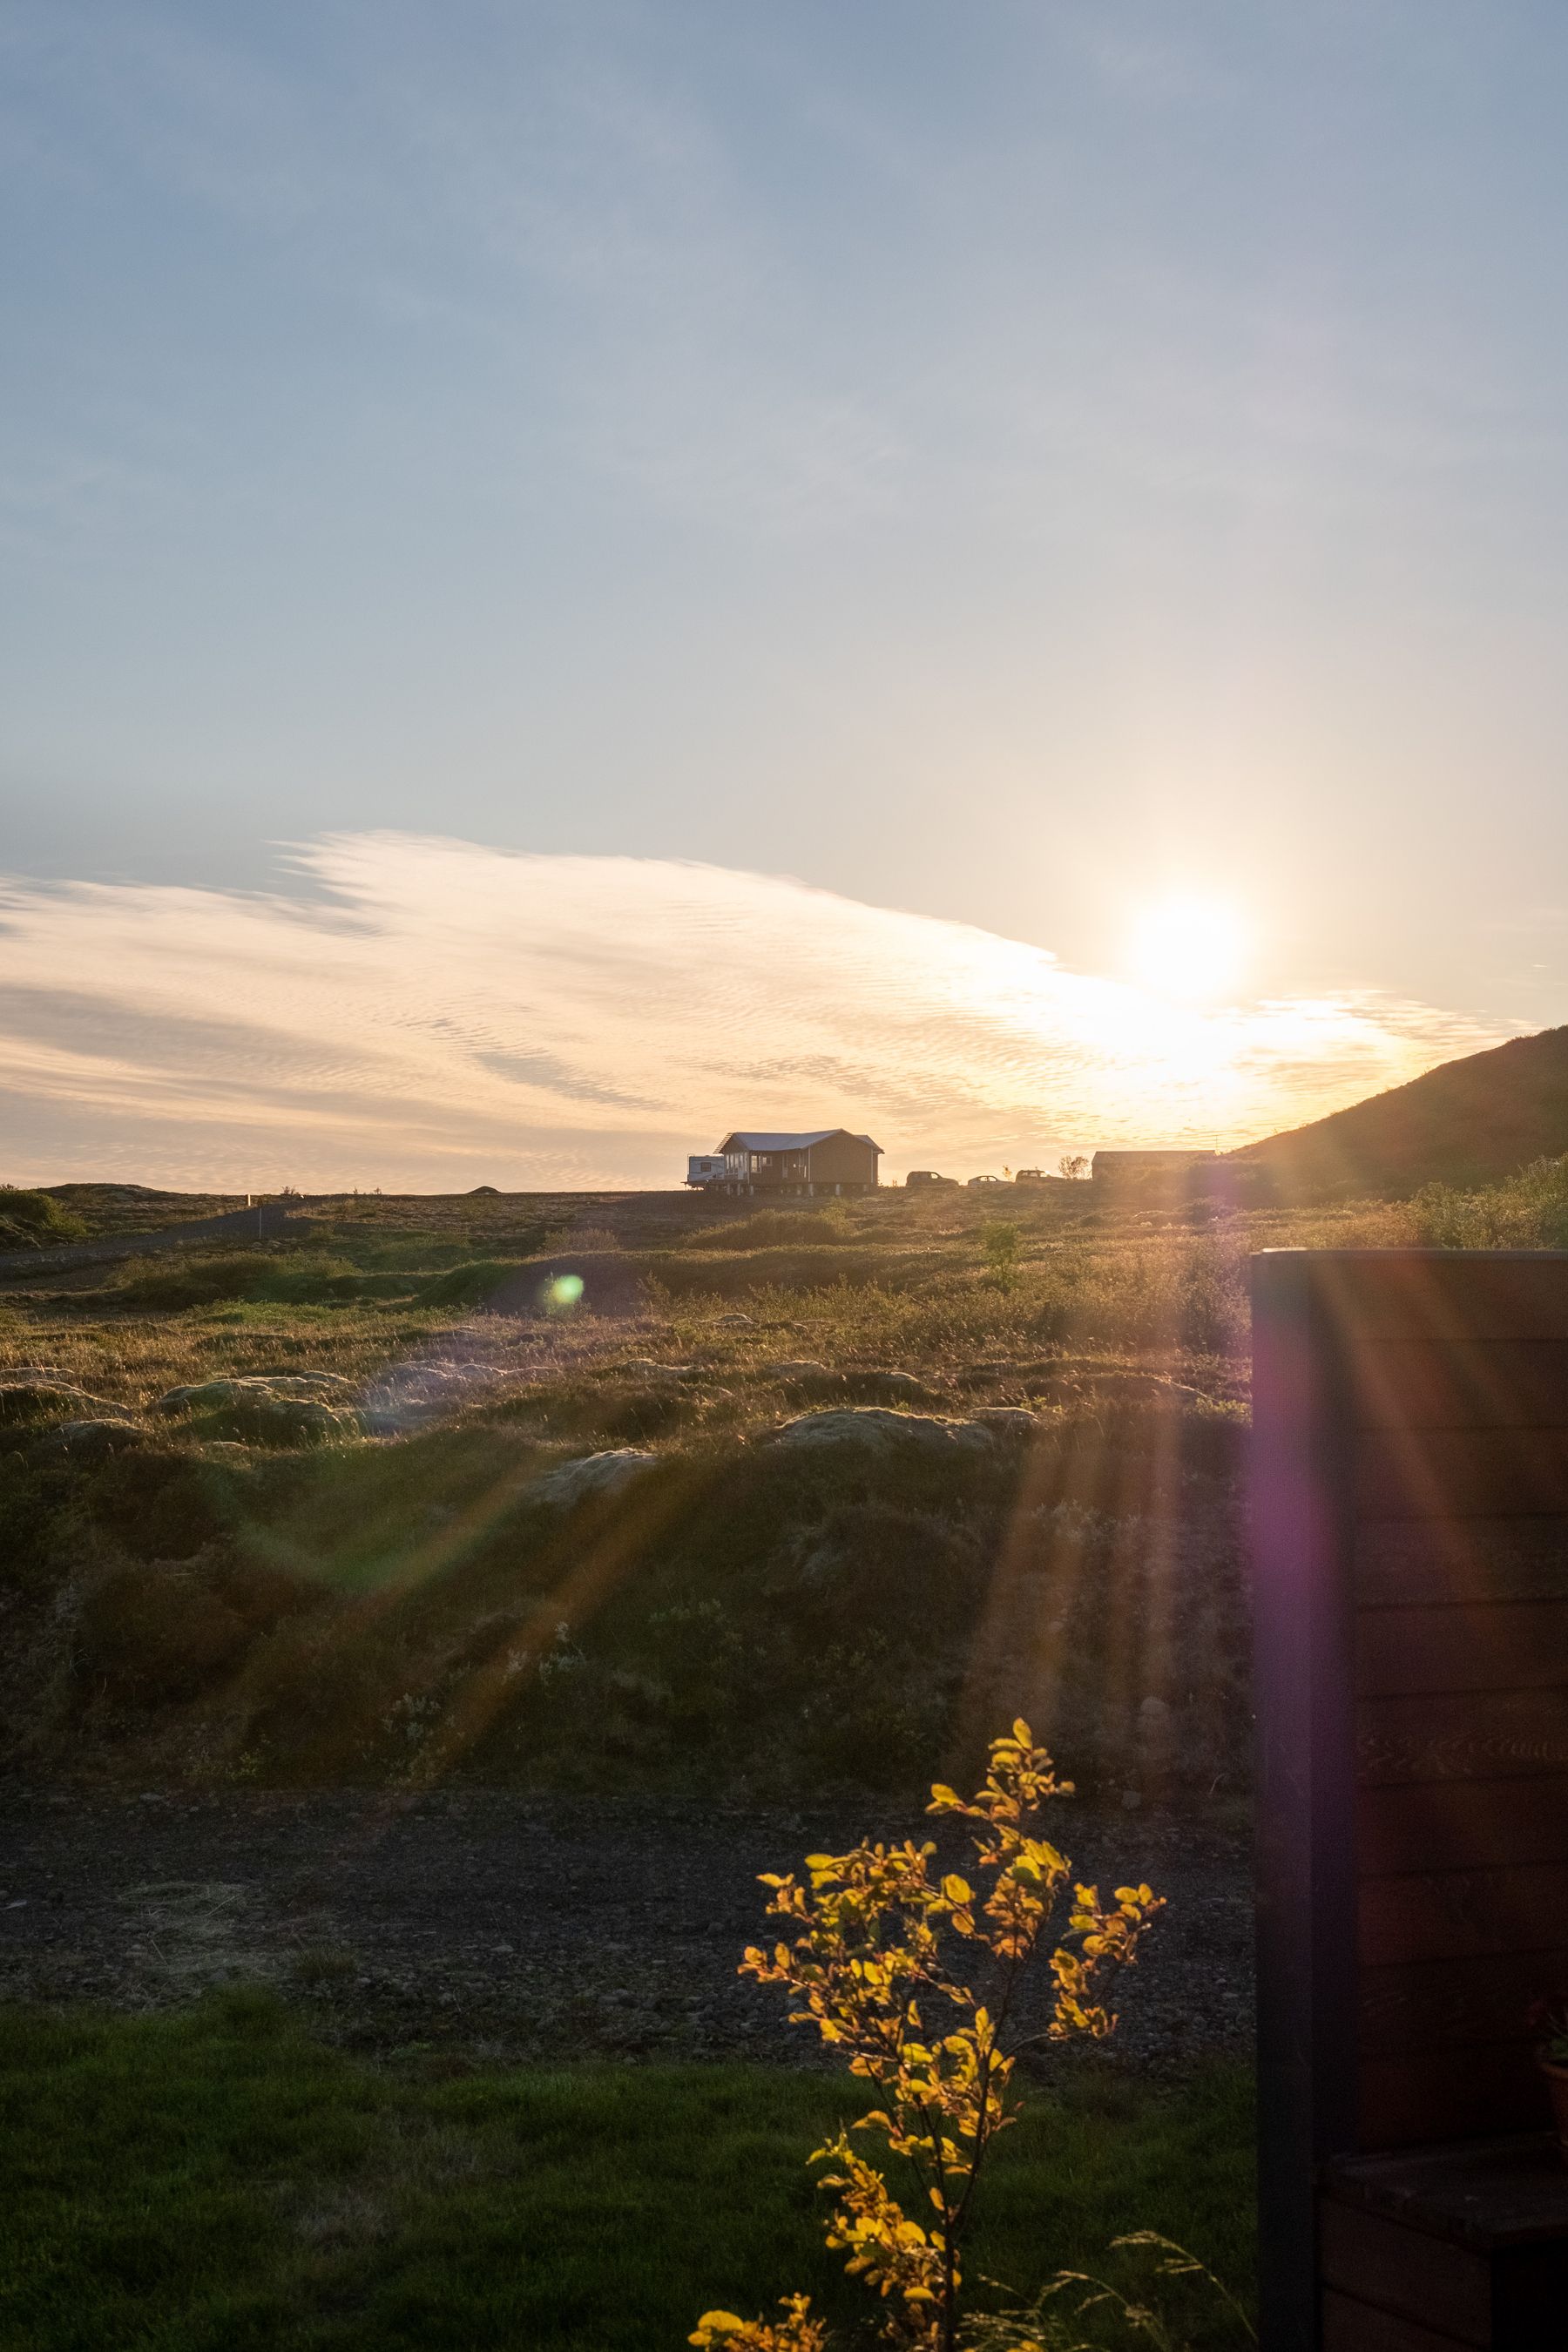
(163, 1503)
(320, 1693)
(1528, 1211)
(171, 1283)
(866, 1943)
(280, 1420)
(770, 1228)
(30, 1403)
(468, 1285)
(782, 1617)
(153, 1631)
(826, 1266)
(349, 1287)
(586, 1410)
(39, 1516)
(999, 1243)
(31, 1220)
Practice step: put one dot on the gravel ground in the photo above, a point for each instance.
(511, 1927)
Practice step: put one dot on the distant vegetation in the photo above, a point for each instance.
(1528, 1211)
(34, 1220)
(770, 1228)
(1470, 1123)
(1000, 1243)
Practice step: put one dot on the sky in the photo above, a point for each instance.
(428, 1011)
(919, 486)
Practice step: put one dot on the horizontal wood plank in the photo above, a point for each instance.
(1452, 1914)
(1412, 1563)
(1351, 2325)
(1500, 2196)
(1445, 2005)
(1476, 2092)
(1463, 1384)
(1514, 1645)
(1462, 1473)
(1461, 1825)
(1444, 1296)
(1405, 2271)
(1461, 1735)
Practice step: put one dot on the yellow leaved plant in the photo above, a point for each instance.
(867, 1953)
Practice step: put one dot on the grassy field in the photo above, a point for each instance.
(372, 1563)
(216, 2180)
(620, 1493)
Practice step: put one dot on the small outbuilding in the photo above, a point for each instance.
(828, 1159)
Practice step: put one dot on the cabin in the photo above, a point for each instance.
(828, 1160)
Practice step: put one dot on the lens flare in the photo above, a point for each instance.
(1187, 947)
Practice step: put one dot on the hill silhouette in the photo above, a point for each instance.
(1466, 1123)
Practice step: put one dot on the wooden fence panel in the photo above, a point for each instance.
(1410, 1501)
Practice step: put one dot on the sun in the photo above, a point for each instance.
(1188, 947)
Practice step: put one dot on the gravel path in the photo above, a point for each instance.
(513, 1926)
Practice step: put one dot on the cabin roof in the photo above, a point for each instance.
(750, 1139)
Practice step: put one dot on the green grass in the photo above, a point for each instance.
(217, 2180)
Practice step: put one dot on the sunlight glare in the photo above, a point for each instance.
(1187, 947)
(581, 1023)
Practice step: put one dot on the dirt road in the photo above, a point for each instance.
(511, 1926)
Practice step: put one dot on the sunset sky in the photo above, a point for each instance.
(576, 575)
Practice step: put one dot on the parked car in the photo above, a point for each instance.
(985, 1179)
(918, 1177)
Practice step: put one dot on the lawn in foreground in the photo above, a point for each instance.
(217, 2179)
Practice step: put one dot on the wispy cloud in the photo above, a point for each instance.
(433, 1013)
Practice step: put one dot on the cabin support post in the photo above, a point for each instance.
(1305, 1872)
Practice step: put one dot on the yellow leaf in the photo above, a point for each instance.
(957, 1890)
(1021, 1733)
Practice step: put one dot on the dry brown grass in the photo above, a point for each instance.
(131, 1360)
(1100, 1289)
(799, 1618)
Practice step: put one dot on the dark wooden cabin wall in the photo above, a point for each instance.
(1411, 1544)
